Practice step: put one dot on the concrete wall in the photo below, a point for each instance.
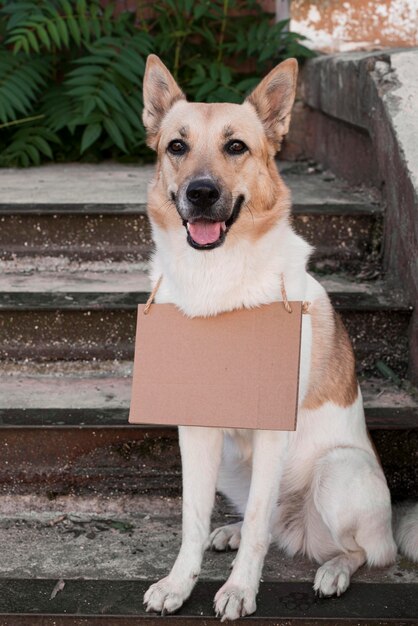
(360, 114)
(343, 25)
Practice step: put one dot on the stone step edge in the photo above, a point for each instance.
(377, 418)
(42, 391)
(129, 300)
(101, 601)
(353, 209)
(122, 284)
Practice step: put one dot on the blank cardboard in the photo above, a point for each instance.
(235, 370)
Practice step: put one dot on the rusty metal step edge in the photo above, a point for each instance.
(385, 418)
(119, 602)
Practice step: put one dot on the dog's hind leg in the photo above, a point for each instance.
(234, 483)
(333, 577)
(226, 537)
(201, 454)
(350, 494)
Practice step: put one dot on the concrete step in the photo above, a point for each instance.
(42, 394)
(75, 560)
(64, 428)
(27, 602)
(94, 212)
(88, 310)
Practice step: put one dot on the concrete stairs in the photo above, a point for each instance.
(74, 245)
(88, 560)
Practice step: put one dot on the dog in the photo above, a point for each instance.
(220, 212)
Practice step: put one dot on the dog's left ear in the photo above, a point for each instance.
(160, 93)
(273, 99)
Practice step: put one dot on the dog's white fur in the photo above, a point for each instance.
(319, 491)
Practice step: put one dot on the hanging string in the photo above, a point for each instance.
(152, 295)
(284, 295)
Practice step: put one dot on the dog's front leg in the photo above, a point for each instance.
(237, 597)
(200, 453)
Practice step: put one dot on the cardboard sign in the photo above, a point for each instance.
(234, 370)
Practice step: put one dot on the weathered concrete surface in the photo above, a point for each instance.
(37, 276)
(129, 538)
(81, 186)
(88, 310)
(377, 93)
(46, 275)
(343, 224)
(75, 184)
(107, 385)
(334, 26)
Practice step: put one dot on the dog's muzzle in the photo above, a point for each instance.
(206, 218)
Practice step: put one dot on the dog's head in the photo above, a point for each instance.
(216, 167)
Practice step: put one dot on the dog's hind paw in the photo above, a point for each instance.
(226, 537)
(332, 578)
(232, 602)
(165, 597)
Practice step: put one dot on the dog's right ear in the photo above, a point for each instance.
(160, 93)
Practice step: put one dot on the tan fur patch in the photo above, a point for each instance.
(333, 376)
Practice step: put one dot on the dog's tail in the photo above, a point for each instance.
(405, 527)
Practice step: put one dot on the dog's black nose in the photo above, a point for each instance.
(202, 193)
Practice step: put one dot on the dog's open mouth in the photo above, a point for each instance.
(204, 234)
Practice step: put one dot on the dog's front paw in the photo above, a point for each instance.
(166, 596)
(232, 602)
(332, 578)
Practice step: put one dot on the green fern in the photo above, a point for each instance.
(71, 71)
(34, 26)
(21, 82)
(29, 146)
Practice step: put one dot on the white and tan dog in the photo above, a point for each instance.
(220, 218)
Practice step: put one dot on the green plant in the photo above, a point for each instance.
(71, 70)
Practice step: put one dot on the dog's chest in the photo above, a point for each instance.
(247, 274)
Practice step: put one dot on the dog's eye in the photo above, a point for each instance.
(177, 147)
(235, 147)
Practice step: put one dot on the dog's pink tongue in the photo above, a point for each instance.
(203, 232)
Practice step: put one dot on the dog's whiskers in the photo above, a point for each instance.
(166, 205)
(248, 206)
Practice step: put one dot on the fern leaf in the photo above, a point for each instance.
(123, 123)
(59, 108)
(88, 106)
(126, 72)
(114, 133)
(21, 80)
(91, 133)
(74, 29)
(43, 36)
(53, 31)
(33, 153)
(26, 146)
(81, 7)
(63, 33)
(40, 143)
(32, 40)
